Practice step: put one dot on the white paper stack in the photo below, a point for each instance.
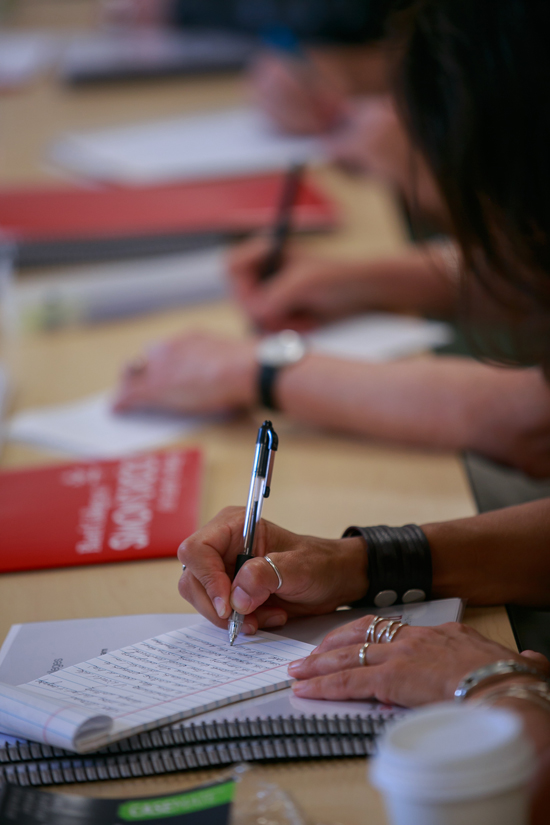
(216, 144)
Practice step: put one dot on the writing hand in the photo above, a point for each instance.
(318, 574)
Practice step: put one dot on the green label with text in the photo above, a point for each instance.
(140, 810)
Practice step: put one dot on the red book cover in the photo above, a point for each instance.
(233, 205)
(93, 512)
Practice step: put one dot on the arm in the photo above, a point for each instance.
(447, 403)
(495, 558)
(311, 290)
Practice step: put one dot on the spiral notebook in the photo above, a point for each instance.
(277, 726)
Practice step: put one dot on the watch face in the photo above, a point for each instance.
(286, 347)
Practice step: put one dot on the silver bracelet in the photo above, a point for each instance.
(502, 668)
(538, 693)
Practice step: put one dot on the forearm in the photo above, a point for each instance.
(495, 558)
(449, 403)
(421, 280)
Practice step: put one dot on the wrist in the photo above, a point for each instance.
(352, 564)
(244, 375)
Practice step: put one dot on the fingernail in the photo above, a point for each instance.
(220, 607)
(249, 629)
(240, 601)
(295, 666)
(276, 621)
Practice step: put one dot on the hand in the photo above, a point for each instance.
(296, 96)
(375, 142)
(318, 574)
(421, 665)
(308, 291)
(194, 373)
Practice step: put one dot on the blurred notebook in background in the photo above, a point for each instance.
(140, 507)
(91, 293)
(89, 428)
(221, 143)
(148, 53)
(64, 224)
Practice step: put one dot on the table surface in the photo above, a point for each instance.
(323, 481)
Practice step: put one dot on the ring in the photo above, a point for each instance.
(391, 634)
(363, 654)
(276, 569)
(184, 567)
(369, 636)
(137, 366)
(383, 636)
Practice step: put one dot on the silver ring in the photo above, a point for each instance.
(276, 569)
(137, 367)
(390, 636)
(184, 567)
(363, 654)
(384, 635)
(369, 636)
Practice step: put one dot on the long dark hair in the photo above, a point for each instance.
(474, 87)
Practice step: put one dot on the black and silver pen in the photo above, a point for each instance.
(260, 482)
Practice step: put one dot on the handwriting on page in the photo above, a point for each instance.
(163, 669)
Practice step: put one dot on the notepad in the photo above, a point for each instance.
(227, 142)
(91, 429)
(170, 677)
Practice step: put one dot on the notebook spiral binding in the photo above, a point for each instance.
(188, 747)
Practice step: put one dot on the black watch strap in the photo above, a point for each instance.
(266, 384)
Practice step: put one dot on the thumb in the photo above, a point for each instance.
(280, 298)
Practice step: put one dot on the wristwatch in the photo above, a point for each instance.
(275, 352)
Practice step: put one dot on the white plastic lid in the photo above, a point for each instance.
(450, 752)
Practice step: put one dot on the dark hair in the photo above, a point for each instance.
(473, 86)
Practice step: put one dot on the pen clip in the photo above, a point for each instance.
(270, 463)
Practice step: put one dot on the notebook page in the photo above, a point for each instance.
(43, 719)
(164, 679)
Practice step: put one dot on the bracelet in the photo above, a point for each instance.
(538, 693)
(399, 564)
(502, 668)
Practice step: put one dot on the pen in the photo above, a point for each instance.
(260, 482)
(273, 261)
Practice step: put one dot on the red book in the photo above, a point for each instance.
(69, 223)
(93, 512)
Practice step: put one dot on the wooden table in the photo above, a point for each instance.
(324, 482)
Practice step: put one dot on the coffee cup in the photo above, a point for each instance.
(451, 764)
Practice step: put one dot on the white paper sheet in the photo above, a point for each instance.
(228, 142)
(379, 337)
(169, 677)
(90, 429)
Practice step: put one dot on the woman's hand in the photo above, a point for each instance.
(298, 97)
(309, 290)
(193, 373)
(421, 665)
(318, 574)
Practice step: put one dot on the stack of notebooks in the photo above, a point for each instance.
(53, 225)
(168, 704)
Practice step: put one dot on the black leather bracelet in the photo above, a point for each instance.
(266, 383)
(399, 564)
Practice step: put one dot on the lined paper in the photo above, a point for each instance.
(170, 677)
